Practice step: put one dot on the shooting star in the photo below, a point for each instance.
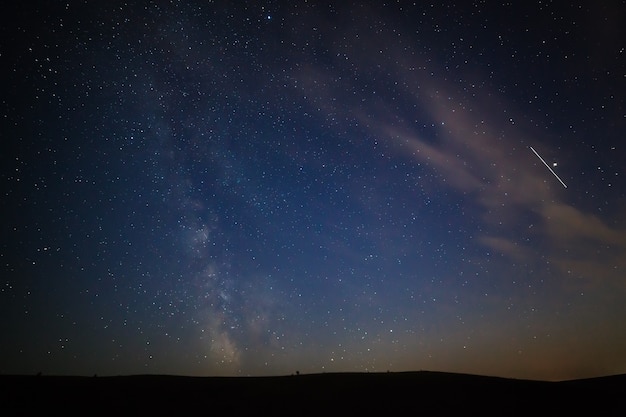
(548, 166)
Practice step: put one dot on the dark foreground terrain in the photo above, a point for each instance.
(407, 393)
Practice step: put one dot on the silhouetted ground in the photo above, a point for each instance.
(365, 394)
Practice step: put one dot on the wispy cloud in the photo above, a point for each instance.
(480, 148)
(508, 183)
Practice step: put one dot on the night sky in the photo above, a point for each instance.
(213, 188)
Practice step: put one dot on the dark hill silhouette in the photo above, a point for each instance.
(405, 393)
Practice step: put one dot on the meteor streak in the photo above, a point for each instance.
(548, 166)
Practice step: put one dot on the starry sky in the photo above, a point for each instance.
(259, 188)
